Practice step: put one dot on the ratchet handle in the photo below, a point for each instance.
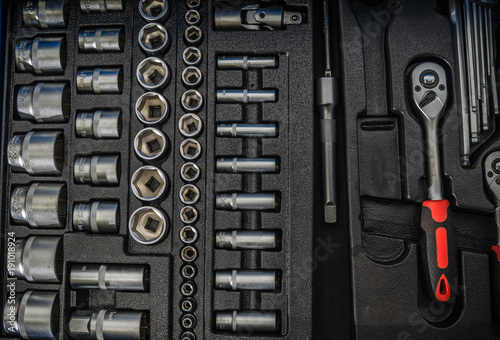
(439, 250)
(495, 281)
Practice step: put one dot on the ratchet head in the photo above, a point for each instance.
(492, 178)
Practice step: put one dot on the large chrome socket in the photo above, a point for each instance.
(154, 39)
(148, 225)
(98, 124)
(97, 170)
(153, 73)
(154, 10)
(41, 56)
(45, 13)
(109, 277)
(100, 217)
(152, 108)
(100, 81)
(44, 102)
(101, 40)
(89, 6)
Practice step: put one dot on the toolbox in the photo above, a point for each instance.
(250, 169)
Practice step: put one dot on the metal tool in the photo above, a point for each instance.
(104, 324)
(188, 234)
(101, 40)
(193, 3)
(97, 170)
(154, 38)
(190, 125)
(152, 108)
(109, 277)
(149, 183)
(100, 217)
(98, 124)
(37, 259)
(247, 130)
(246, 280)
(188, 271)
(188, 335)
(190, 149)
(189, 194)
(253, 17)
(192, 76)
(188, 288)
(150, 144)
(45, 13)
(249, 321)
(189, 254)
(190, 172)
(251, 165)
(188, 214)
(37, 152)
(471, 71)
(193, 35)
(188, 305)
(44, 102)
(191, 101)
(153, 73)
(100, 80)
(148, 225)
(483, 73)
(246, 62)
(41, 205)
(439, 252)
(95, 6)
(154, 10)
(241, 201)
(188, 321)
(42, 55)
(491, 65)
(246, 96)
(192, 17)
(32, 315)
(246, 239)
(192, 56)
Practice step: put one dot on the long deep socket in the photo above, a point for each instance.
(37, 152)
(38, 259)
(245, 62)
(100, 80)
(247, 321)
(239, 201)
(41, 205)
(97, 170)
(44, 102)
(101, 40)
(102, 6)
(246, 280)
(100, 217)
(109, 277)
(45, 13)
(252, 165)
(45, 55)
(98, 124)
(247, 130)
(246, 239)
(246, 96)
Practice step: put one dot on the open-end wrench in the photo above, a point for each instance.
(438, 245)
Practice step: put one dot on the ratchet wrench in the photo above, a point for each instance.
(429, 91)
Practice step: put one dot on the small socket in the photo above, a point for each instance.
(189, 254)
(193, 3)
(154, 38)
(188, 336)
(190, 172)
(149, 183)
(152, 108)
(190, 149)
(190, 125)
(189, 234)
(188, 321)
(191, 56)
(150, 144)
(148, 225)
(153, 10)
(188, 214)
(193, 35)
(192, 17)
(188, 305)
(188, 272)
(188, 288)
(189, 194)
(153, 73)
(191, 76)
(191, 101)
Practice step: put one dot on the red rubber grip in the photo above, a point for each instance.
(443, 291)
(496, 249)
(439, 209)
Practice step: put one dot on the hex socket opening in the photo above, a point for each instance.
(190, 125)
(188, 321)
(191, 76)
(193, 3)
(188, 305)
(190, 149)
(190, 172)
(191, 100)
(188, 289)
(191, 56)
(153, 38)
(149, 183)
(189, 234)
(189, 194)
(148, 225)
(192, 17)
(151, 108)
(150, 143)
(152, 10)
(189, 254)
(153, 73)
(188, 271)
(188, 214)
(193, 35)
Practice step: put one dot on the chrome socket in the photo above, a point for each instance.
(100, 217)
(32, 315)
(191, 101)
(245, 62)
(153, 73)
(189, 194)
(188, 305)
(41, 205)
(190, 125)
(44, 102)
(150, 144)
(192, 56)
(97, 170)
(109, 277)
(152, 108)
(188, 321)
(37, 152)
(190, 172)
(190, 149)
(247, 321)
(193, 3)
(45, 13)
(188, 234)
(149, 183)
(189, 254)
(94, 6)
(148, 225)
(101, 40)
(192, 77)
(100, 81)
(38, 259)
(188, 336)
(99, 124)
(246, 165)
(154, 10)
(246, 280)
(246, 96)
(239, 201)
(188, 215)
(154, 39)
(193, 35)
(247, 130)
(188, 288)
(246, 240)
(192, 17)
(120, 324)
(188, 271)
(41, 56)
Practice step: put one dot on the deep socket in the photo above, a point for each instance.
(109, 277)
(247, 130)
(240, 201)
(45, 13)
(99, 124)
(41, 205)
(245, 96)
(246, 239)
(252, 165)
(37, 152)
(44, 102)
(246, 280)
(38, 259)
(245, 62)
(247, 321)
(88, 6)
(101, 40)
(100, 217)
(100, 80)
(41, 56)
(97, 170)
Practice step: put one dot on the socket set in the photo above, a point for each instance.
(154, 152)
